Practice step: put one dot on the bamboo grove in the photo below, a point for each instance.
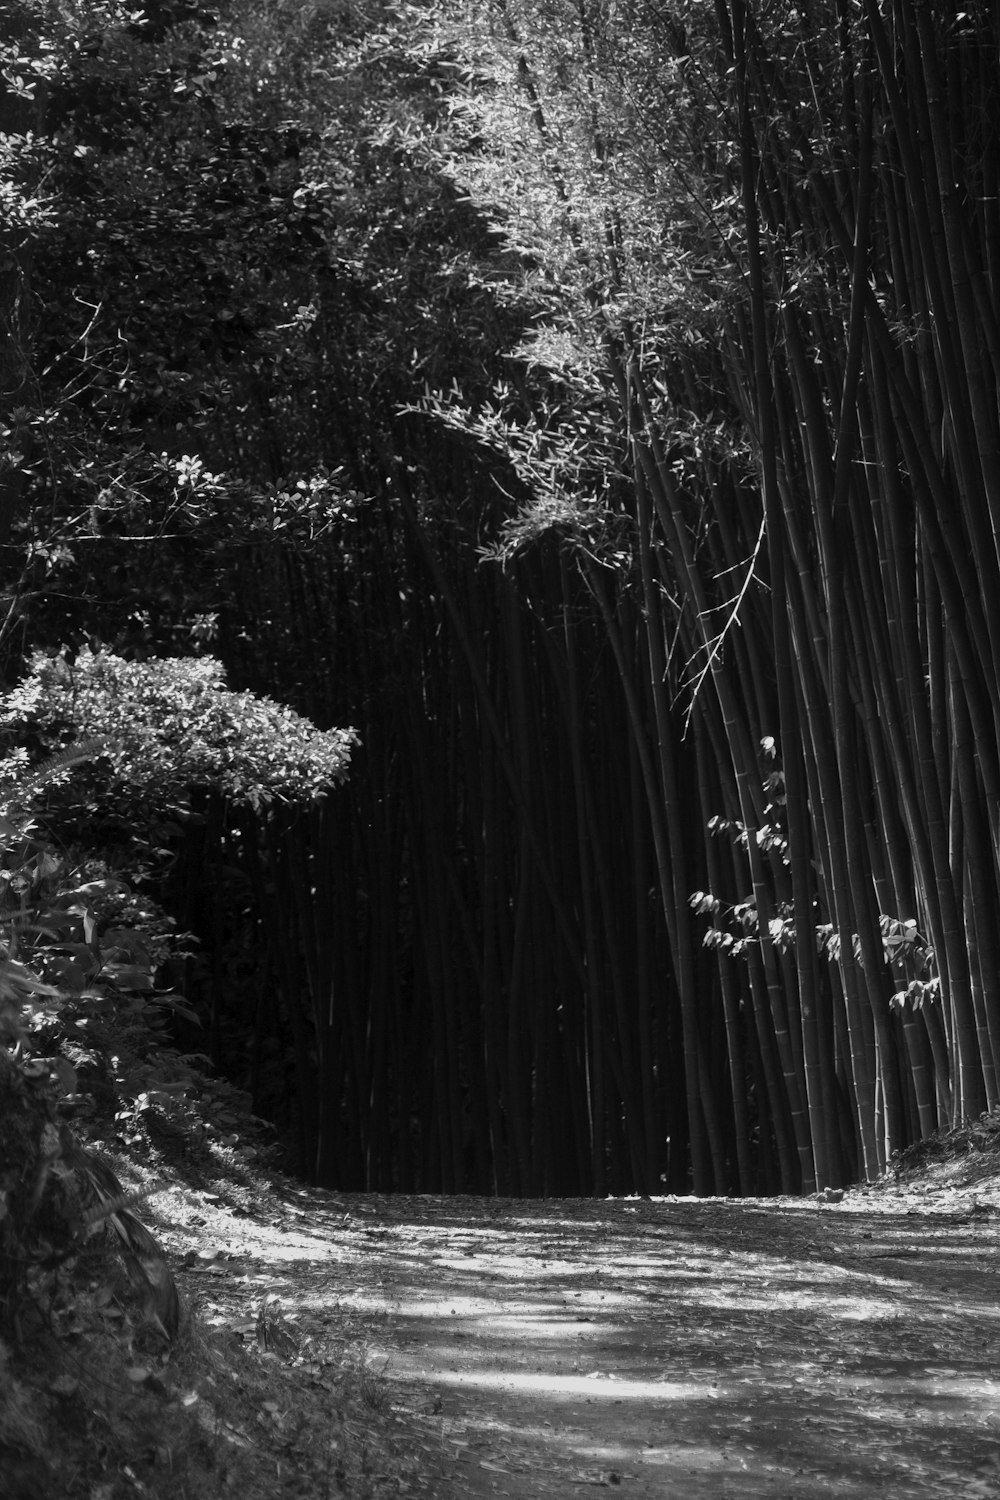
(821, 619)
(670, 629)
(651, 356)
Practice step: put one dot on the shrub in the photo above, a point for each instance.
(170, 725)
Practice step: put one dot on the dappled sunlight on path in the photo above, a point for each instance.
(695, 1348)
(670, 1350)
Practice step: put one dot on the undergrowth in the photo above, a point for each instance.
(98, 1401)
(111, 1387)
(88, 1408)
(966, 1153)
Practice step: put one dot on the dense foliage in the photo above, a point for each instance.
(168, 726)
(773, 258)
(598, 408)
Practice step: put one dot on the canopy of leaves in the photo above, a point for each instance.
(172, 725)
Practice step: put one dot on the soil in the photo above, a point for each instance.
(706, 1349)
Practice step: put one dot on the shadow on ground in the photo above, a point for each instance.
(667, 1348)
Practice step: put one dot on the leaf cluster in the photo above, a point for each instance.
(157, 244)
(171, 725)
(55, 1196)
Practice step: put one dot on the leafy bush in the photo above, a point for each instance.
(79, 951)
(171, 725)
(55, 1195)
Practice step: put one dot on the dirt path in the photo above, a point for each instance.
(711, 1349)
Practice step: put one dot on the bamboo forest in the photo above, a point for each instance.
(580, 421)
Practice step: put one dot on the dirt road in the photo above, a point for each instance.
(703, 1350)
